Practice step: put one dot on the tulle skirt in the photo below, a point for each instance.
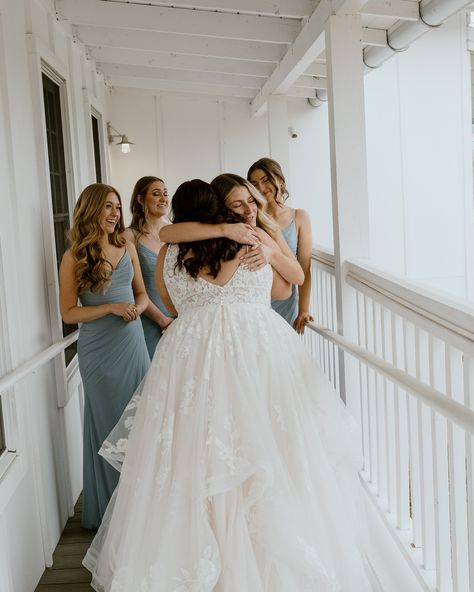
(238, 468)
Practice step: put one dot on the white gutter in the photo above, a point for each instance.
(432, 15)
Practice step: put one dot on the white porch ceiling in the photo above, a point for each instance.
(243, 48)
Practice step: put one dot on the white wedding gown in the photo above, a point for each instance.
(238, 470)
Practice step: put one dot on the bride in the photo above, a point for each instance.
(237, 465)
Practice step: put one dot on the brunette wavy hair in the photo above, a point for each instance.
(273, 171)
(224, 184)
(92, 270)
(196, 201)
(139, 210)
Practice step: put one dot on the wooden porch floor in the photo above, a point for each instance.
(67, 573)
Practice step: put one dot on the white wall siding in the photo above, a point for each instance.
(39, 487)
(418, 186)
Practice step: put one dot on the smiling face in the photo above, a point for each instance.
(111, 213)
(242, 202)
(265, 184)
(156, 200)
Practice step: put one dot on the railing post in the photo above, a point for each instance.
(345, 72)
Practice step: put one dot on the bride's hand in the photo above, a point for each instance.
(241, 233)
(257, 257)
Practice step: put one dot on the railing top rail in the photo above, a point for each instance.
(456, 316)
(11, 378)
(323, 255)
(450, 409)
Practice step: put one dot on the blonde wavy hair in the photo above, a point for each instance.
(224, 184)
(139, 210)
(92, 270)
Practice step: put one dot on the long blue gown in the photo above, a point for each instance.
(113, 359)
(288, 308)
(152, 330)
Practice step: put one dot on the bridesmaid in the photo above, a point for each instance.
(149, 206)
(266, 176)
(101, 269)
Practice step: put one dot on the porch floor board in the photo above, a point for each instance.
(67, 573)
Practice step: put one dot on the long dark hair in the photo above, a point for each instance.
(195, 201)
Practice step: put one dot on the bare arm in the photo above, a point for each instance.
(138, 285)
(160, 281)
(188, 232)
(68, 295)
(155, 314)
(278, 254)
(281, 289)
(305, 245)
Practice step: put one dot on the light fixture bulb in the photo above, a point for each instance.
(125, 148)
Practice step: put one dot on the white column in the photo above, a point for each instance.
(345, 72)
(277, 115)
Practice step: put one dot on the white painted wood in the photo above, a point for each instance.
(182, 86)
(177, 20)
(457, 476)
(280, 8)
(348, 166)
(440, 472)
(449, 319)
(316, 69)
(143, 72)
(311, 82)
(152, 59)
(450, 409)
(426, 458)
(306, 48)
(381, 418)
(278, 136)
(468, 374)
(374, 37)
(301, 93)
(406, 10)
(11, 378)
(94, 36)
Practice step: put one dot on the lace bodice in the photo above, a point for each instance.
(244, 287)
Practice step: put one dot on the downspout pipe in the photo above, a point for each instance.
(432, 15)
(320, 97)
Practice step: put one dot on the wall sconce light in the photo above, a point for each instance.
(124, 141)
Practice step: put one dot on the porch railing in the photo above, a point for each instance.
(415, 387)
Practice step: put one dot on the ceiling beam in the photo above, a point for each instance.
(144, 72)
(181, 44)
(107, 55)
(181, 86)
(311, 82)
(178, 20)
(374, 37)
(301, 92)
(307, 46)
(285, 8)
(407, 10)
(316, 69)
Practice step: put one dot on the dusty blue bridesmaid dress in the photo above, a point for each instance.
(152, 330)
(113, 359)
(288, 308)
